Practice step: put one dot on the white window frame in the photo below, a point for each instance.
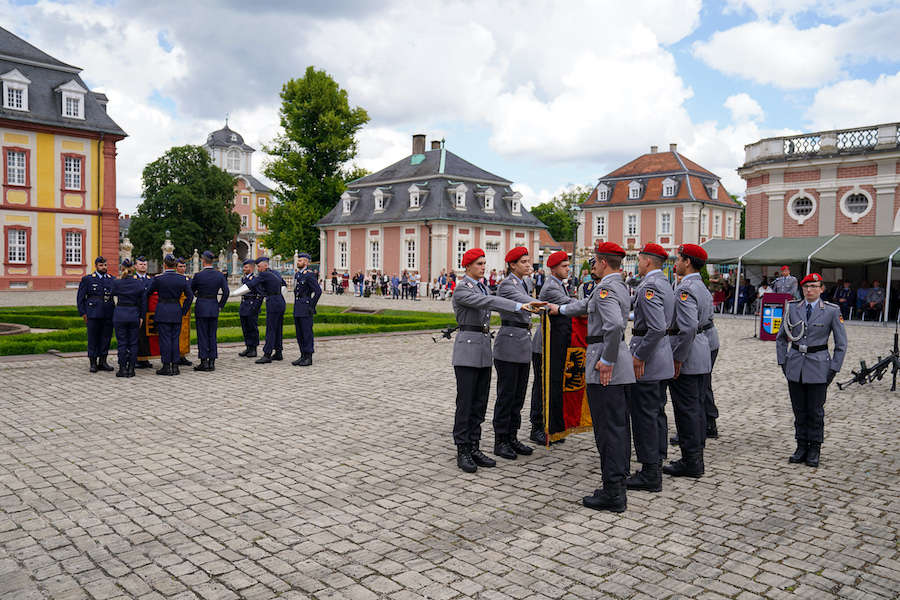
(19, 170)
(379, 200)
(73, 105)
(600, 225)
(245, 200)
(232, 137)
(661, 229)
(717, 224)
(16, 248)
(489, 200)
(245, 221)
(602, 192)
(704, 222)
(668, 187)
(346, 203)
(415, 196)
(72, 176)
(729, 225)
(462, 246)
(713, 190)
(459, 195)
(855, 217)
(516, 206)
(374, 257)
(72, 251)
(261, 201)
(411, 256)
(233, 160)
(634, 190)
(342, 254)
(637, 224)
(789, 206)
(14, 80)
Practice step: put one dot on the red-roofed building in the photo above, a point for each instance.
(660, 197)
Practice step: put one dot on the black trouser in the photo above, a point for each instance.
(405, 290)
(690, 419)
(206, 336)
(127, 342)
(536, 414)
(709, 400)
(274, 326)
(472, 387)
(561, 328)
(609, 414)
(808, 402)
(512, 383)
(250, 328)
(647, 409)
(169, 334)
(99, 334)
(303, 329)
(143, 351)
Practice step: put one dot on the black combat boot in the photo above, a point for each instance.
(503, 449)
(519, 447)
(166, 369)
(712, 432)
(251, 352)
(245, 352)
(277, 355)
(611, 497)
(211, 364)
(184, 362)
(812, 456)
(648, 479)
(481, 459)
(175, 370)
(800, 453)
(299, 362)
(122, 372)
(130, 370)
(144, 364)
(203, 366)
(103, 365)
(264, 359)
(464, 458)
(93, 364)
(538, 436)
(685, 467)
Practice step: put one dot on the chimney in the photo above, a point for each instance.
(435, 144)
(654, 149)
(418, 143)
(673, 147)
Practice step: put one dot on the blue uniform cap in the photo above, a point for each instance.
(207, 255)
(248, 261)
(126, 263)
(169, 257)
(179, 260)
(304, 255)
(262, 259)
(140, 258)
(99, 260)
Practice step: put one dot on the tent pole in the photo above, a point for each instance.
(887, 287)
(809, 258)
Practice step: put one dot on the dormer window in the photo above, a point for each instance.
(15, 90)
(233, 159)
(415, 196)
(72, 99)
(233, 137)
(634, 190)
(713, 190)
(459, 195)
(379, 200)
(346, 200)
(516, 204)
(489, 199)
(668, 187)
(602, 192)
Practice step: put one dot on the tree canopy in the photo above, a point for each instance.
(310, 160)
(559, 213)
(185, 194)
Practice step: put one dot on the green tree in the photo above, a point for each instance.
(185, 194)
(559, 213)
(743, 204)
(311, 157)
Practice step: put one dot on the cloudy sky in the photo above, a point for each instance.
(547, 94)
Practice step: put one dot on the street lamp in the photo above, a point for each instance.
(578, 213)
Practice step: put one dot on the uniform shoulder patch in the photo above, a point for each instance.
(830, 304)
(648, 294)
(468, 284)
(603, 292)
(841, 318)
(684, 296)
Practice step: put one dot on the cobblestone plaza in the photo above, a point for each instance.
(340, 481)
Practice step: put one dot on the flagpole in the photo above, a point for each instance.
(545, 372)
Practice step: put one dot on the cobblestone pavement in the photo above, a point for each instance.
(339, 481)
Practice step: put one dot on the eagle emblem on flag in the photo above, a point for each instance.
(603, 293)
(648, 294)
(684, 296)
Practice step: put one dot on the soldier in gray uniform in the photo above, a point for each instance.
(472, 358)
(512, 357)
(554, 292)
(690, 352)
(786, 284)
(802, 351)
(608, 369)
(654, 306)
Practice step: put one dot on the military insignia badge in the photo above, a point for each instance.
(468, 284)
(684, 296)
(841, 318)
(649, 295)
(603, 293)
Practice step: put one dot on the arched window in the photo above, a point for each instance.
(233, 160)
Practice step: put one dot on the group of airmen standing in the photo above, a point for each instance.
(122, 305)
(673, 347)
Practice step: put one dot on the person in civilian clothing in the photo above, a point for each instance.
(95, 305)
(171, 287)
(845, 298)
(130, 312)
(207, 286)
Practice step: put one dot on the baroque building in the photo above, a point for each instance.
(58, 205)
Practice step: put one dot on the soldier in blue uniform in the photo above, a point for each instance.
(170, 285)
(140, 272)
(306, 295)
(131, 309)
(96, 306)
(206, 286)
(248, 311)
(268, 283)
(802, 352)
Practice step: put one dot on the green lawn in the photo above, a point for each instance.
(72, 333)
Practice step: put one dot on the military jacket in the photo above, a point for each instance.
(132, 300)
(268, 283)
(800, 363)
(513, 342)
(693, 306)
(785, 285)
(206, 286)
(306, 293)
(473, 305)
(607, 311)
(654, 307)
(169, 286)
(251, 302)
(554, 292)
(94, 297)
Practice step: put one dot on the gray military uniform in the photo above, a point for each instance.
(554, 292)
(513, 344)
(654, 307)
(473, 307)
(786, 285)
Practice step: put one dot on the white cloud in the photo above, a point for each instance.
(744, 108)
(855, 103)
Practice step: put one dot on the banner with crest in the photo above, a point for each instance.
(565, 393)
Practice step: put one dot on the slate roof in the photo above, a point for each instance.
(692, 182)
(256, 184)
(44, 103)
(222, 139)
(437, 194)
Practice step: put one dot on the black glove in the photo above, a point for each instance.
(831, 375)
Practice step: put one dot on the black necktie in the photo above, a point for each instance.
(808, 312)
(482, 288)
(524, 285)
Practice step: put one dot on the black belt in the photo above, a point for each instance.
(274, 296)
(808, 349)
(126, 304)
(639, 332)
(676, 331)
(208, 297)
(478, 328)
(597, 339)
(703, 328)
(169, 301)
(515, 324)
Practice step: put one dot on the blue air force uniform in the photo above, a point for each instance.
(143, 340)
(95, 300)
(169, 285)
(268, 284)
(131, 307)
(251, 303)
(206, 286)
(306, 295)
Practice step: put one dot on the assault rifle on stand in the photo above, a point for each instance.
(877, 371)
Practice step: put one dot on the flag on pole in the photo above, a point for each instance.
(566, 409)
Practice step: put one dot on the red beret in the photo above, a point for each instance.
(556, 258)
(471, 256)
(693, 251)
(811, 278)
(611, 248)
(655, 250)
(516, 253)
(785, 267)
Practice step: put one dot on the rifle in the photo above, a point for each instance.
(446, 333)
(877, 371)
